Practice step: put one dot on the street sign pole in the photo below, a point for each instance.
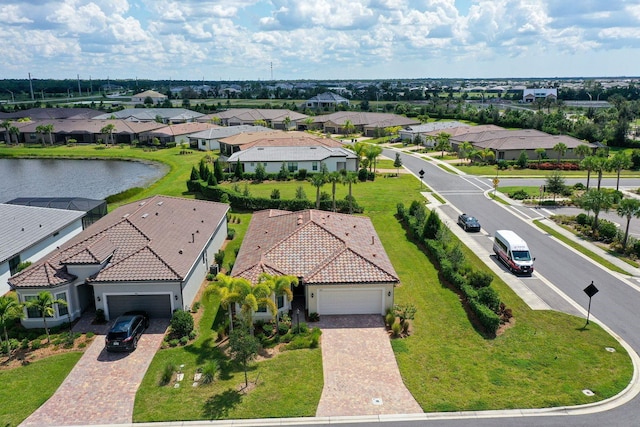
(590, 290)
(421, 173)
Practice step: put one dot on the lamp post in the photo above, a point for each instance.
(298, 319)
(13, 99)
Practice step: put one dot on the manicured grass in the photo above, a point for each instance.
(447, 168)
(532, 191)
(25, 389)
(490, 170)
(288, 385)
(595, 257)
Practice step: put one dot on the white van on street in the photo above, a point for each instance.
(513, 251)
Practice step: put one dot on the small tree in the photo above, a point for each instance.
(237, 171)
(432, 225)
(195, 175)
(555, 183)
(523, 160)
(181, 323)
(217, 170)
(628, 208)
(44, 303)
(300, 194)
(243, 347)
(397, 163)
(260, 172)
(283, 175)
(9, 309)
(596, 201)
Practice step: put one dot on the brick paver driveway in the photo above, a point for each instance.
(101, 388)
(361, 375)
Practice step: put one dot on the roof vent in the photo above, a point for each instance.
(156, 213)
(142, 203)
(194, 209)
(22, 228)
(160, 203)
(180, 251)
(145, 215)
(125, 215)
(373, 239)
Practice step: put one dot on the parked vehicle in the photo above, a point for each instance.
(513, 251)
(126, 331)
(468, 223)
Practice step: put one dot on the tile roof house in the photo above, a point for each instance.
(29, 233)
(326, 100)
(178, 133)
(210, 139)
(164, 115)
(299, 150)
(339, 260)
(86, 131)
(156, 97)
(274, 118)
(366, 123)
(151, 255)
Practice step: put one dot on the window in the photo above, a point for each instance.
(314, 166)
(63, 310)
(280, 301)
(13, 264)
(32, 313)
(293, 166)
(262, 309)
(252, 164)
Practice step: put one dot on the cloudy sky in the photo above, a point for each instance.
(319, 39)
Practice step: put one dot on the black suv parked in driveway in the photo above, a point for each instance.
(126, 331)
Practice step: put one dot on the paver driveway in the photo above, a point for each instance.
(361, 375)
(101, 388)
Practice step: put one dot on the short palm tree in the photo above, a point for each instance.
(281, 287)
(620, 160)
(9, 309)
(334, 178)
(44, 303)
(108, 130)
(318, 180)
(224, 288)
(628, 208)
(349, 179)
(596, 201)
(561, 149)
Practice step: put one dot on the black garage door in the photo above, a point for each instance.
(155, 305)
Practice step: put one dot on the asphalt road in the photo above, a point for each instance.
(616, 305)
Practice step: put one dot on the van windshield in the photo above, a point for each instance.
(521, 256)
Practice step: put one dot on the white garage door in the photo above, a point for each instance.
(155, 305)
(350, 301)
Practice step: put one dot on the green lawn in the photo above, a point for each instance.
(545, 359)
(25, 389)
(490, 170)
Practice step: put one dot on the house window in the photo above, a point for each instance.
(32, 313)
(280, 301)
(13, 264)
(314, 166)
(252, 164)
(262, 309)
(293, 166)
(63, 310)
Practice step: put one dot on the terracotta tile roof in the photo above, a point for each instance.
(320, 247)
(155, 239)
(47, 275)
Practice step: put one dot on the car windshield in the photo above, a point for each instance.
(521, 256)
(472, 220)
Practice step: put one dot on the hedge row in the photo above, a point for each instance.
(483, 300)
(249, 203)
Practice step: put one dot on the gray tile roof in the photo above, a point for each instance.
(225, 131)
(155, 239)
(150, 114)
(320, 247)
(290, 154)
(23, 226)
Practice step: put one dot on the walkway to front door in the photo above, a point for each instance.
(361, 375)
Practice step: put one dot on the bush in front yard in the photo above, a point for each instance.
(181, 323)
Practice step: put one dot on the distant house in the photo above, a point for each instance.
(87, 131)
(29, 233)
(339, 260)
(424, 132)
(273, 118)
(153, 255)
(94, 209)
(161, 115)
(298, 150)
(209, 139)
(327, 100)
(530, 95)
(155, 97)
(178, 133)
(368, 124)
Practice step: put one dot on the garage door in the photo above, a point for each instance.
(155, 305)
(350, 301)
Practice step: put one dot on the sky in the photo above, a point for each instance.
(318, 39)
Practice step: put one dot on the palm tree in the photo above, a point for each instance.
(582, 151)
(540, 152)
(334, 178)
(628, 208)
(281, 287)
(287, 123)
(588, 163)
(373, 151)
(487, 155)
(251, 298)
(40, 129)
(349, 179)
(442, 142)
(13, 130)
(464, 149)
(224, 288)
(600, 164)
(318, 180)
(44, 304)
(619, 161)
(308, 122)
(596, 201)
(348, 127)
(561, 149)
(6, 124)
(108, 130)
(49, 130)
(9, 309)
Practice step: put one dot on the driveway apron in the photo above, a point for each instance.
(361, 375)
(102, 387)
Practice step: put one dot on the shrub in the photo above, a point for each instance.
(314, 317)
(583, 219)
(219, 257)
(390, 319)
(181, 323)
(185, 340)
(283, 328)
(24, 344)
(174, 342)
(231, 234)
(479, 279)
(406, 324)
(489, 320)
(275, 194)
(167, 373)
(396, 328)
(607, 230)
(520, 195)
(36, 344)
(209, 372)
(363, 174)
(579, 186)
(502, 164)
(432, 225)
(489, 297)
(100, 317)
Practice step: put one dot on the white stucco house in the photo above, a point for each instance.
(338, 259)
(530, 95)
(156, 97)
(27, 233)
(208, 140)
(149, 255)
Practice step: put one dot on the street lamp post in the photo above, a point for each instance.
(13, 99)
(298, 319)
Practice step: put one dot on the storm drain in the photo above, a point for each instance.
(610, 349)
(376, 401)
(588, 392)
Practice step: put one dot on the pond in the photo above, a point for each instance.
(94, 179)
